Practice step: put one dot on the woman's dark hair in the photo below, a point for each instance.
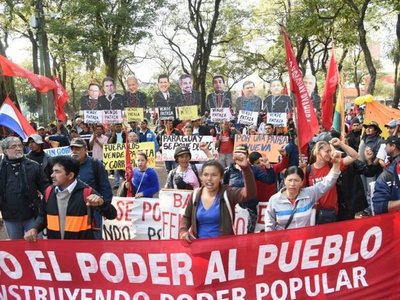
(143, 154)
(213, 163)
(69, 163)
(294, 170)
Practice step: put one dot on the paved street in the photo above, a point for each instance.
(162, 177)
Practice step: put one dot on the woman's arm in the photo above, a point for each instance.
(186, 222)
(352, 154)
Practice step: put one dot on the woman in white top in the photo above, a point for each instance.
(291, 206)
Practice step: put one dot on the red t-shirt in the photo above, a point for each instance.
(330, 199)
(226, 145)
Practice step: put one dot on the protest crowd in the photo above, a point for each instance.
(241, 151)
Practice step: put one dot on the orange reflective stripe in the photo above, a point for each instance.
(53, 223)
(77, 223)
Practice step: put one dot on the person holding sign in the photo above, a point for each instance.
(164, 97)
(310, 82)
(145, 180)
(277, 102)
(187, 97)
(145, 134)
(249, 101)
(211, 211)
(219, 98)
(134, 98)
(291, 207)
(110, 100)
(168, 130)
(90, 102)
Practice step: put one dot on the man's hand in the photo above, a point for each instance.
(240, 159)
(31, 235)
(94, 200)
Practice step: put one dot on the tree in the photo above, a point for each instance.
(106, 27)
(198, 30)
(359, 10)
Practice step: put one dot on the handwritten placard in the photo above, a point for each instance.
(267, 145)
(220, 114)
(134, 114)
(248, 117)
(93, 116)
(112, 116)
(190, 112)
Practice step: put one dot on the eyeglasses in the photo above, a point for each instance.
(16, 146)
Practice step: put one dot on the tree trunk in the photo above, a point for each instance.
(368, 58)
(111, 63)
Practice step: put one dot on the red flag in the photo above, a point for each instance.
(307, 123)
(331, 82)
(41, 83)
(128, 166)
(60, 97)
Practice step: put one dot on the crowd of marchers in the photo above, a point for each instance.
(341, 177)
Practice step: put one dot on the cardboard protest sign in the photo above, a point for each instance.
(220, 114)
(170, 142)
(172, 207)
(112, 116)
(66, 150)
(267, 145)
(134, 114)
(277, 119)
(137, 219)
(190, 112)
(114, 154)
(166, 113)
(248, 117)
(93, 116)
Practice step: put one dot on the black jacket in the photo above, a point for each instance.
(117, 103)
(137, 99)
(20, 182)
(160, 101)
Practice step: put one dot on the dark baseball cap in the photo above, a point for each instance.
(241, 149)
(394, 140)
(78, 142)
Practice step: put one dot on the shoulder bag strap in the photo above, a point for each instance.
(291, 215)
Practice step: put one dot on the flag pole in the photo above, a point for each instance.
(342, 107)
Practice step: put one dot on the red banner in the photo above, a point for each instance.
(307, 122)
(347, 260)
(61, 97)
(331, 82)
(41, 83)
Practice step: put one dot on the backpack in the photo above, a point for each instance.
(183, 185)
(87, 190)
